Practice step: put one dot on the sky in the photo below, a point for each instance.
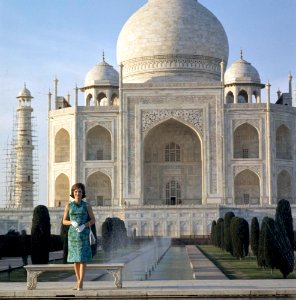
(41, 40)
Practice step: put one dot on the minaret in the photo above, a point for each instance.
(24, 151)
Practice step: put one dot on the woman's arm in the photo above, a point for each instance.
(65, 217)
(91, 215)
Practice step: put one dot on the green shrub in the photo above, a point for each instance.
(219, 233)
(227, 235)
(239, 229)
(40, 235)
(255, 236)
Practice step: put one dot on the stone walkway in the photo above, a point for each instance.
(202, 267)
(155, 289)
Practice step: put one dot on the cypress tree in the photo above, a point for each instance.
(255, 236)
(219, 232)
(64, 237)
(270, 249)
(239, 229)
(261, 254)
(107, 235)
(284, 219)
(227, 236)
(40, 235)
(213, 233)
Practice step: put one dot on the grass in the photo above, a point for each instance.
(239, 269)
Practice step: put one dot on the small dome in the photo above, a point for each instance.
(172, 39)
(102, 74)
(242, 71)
(24, 93)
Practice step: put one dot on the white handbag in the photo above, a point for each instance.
(92, 238)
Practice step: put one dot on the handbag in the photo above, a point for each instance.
(92, 238)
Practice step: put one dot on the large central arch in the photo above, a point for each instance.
(172, 159)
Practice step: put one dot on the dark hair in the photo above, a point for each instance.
(78, 186)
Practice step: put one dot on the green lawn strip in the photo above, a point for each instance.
(239, 269)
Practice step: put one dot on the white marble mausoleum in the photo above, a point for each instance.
(176, 137)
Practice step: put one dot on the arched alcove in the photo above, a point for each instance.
(283, 143)
(62, 146)
(99, 190)
(115, 100)
(242, 97)
(246, 188)
(98, 144)
(172, 153)
(102, 99)
(62, 190)
(89, 100)
(229, 97)
(246, 142)
(284, 186)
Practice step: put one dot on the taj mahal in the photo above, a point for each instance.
(177, 136)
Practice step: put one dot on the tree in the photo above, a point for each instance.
(270, 249)
(213, 233)
(64, 237)
(255, 236)
(283, 217)
(239, 229)
(107, 235)
(114, 234)
(227, 236)
(261, 255)
(40, 235)
(219, 232)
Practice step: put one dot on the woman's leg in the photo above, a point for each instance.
(81, 274)
(77, 273)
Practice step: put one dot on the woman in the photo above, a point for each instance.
(79, 215)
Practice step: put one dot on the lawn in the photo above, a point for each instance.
(240, 269)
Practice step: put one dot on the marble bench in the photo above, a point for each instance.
(33, 271)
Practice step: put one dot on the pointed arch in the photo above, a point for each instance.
(99, 189)
(62, 146)
(115, 100)
(283, 143)
(172, 152)
(98, 144)
(284, 185)
(246, 188)
(62, 190)
(242, 97)
(102, 99)
(246, 142)
(89, 99)
(229, 97)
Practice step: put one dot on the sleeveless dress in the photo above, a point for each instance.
(79, 249)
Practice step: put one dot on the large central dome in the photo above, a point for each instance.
(172, 40)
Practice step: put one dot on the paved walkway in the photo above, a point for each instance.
(155, 289)
(202, 267)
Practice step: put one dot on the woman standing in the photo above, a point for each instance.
(79, 215)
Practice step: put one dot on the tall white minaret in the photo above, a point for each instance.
(24, 151)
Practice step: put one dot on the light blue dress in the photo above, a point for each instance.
(79, 249)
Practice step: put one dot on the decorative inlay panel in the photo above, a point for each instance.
(171, 62)
(105, 124)
(106, 171)
(237, 123)
(256, 169)
(152, 117)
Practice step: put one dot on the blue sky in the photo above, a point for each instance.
(65, 38)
